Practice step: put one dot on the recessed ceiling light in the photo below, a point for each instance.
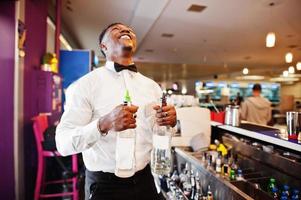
(288, 57)
(284, 79)
(168, 35)
(250, 77)
(245, 71)
(298, 65)
(285, 73)
(270, 40)
(291, 70)
(196, 8)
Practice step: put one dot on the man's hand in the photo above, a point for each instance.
(166, 116)
(119, 119)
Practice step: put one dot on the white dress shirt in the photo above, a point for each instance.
(95, 95)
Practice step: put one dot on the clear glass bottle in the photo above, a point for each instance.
(125, 148)
(161, 153)
(218, 166)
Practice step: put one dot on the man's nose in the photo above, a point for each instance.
(125, 31)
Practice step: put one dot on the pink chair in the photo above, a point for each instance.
(40, 123)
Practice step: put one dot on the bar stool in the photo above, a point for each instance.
(40, 124)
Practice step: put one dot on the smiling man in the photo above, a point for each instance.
(94, 115)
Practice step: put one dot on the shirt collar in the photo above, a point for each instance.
(110, 66)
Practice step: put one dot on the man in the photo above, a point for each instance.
(94, 114)
(256, 109)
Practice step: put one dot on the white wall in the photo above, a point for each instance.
(292, 90)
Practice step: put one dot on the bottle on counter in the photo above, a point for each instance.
(187, 187)
(286, 189)
(193, 185)
(125, 147)
(239, 176)
(271, 185)
(225, 167)
(232, 175)
(184, 174)
(295, 195)
(218, 163)
(175, 176)
(161, 153)
(283, 196)
(275, 193)
(198, 194)
(209, 193)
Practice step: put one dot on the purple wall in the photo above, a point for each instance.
(7, 62)
(35, 48)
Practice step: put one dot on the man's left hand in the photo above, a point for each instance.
(166, 116)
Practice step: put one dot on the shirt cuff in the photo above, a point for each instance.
(93, 134)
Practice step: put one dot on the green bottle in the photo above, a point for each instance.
(272, 184)
(127, 98)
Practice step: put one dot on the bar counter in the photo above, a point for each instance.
(265, 134)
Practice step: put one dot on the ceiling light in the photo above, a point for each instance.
(168, 35)
(250, 77)
(245, 71)
(285, 73)
(270, 40)
(298, 65)
(284, 79)
(291, 70)
(288, 57)
(196, 8)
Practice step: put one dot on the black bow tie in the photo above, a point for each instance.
(119, 67)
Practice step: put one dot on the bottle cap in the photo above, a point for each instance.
(127, 97)
(286, 187)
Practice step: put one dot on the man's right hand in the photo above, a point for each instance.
(119, 119)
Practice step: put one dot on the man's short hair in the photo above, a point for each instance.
(257, 87)
(102, 34)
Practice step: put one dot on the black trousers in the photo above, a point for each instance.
(107, 186)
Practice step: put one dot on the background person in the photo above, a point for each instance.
(256, 109)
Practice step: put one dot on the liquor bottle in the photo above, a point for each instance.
(225, 168)
(232, 175)
(286, 189)
(193, 185)
(234, 165)
(209, 193)
(271, 185)
(161, 153)
(184, 174)
(239, 176)
(295, 195)
(283, 196)
(125, 148)
(218, 165)
(275, 193)
(187, 187)
(175, 176)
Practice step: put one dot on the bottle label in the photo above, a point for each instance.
(161, 142)
(125, 153)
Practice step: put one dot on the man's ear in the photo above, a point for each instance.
(102, 47)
